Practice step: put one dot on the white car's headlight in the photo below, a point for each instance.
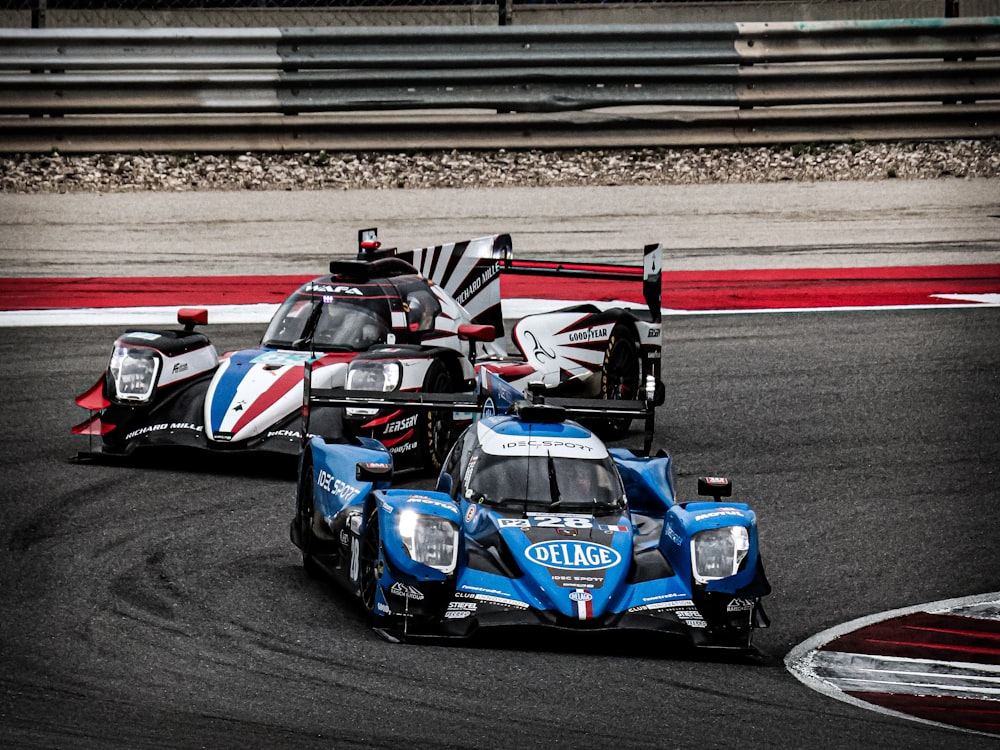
(374, 376)
(430, 540)
(133, 373)
(717, 553)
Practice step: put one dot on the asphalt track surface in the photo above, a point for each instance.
(161, 605)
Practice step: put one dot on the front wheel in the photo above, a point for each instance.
(435, 428)
(621, 373)
(370, 547)
(305, 517)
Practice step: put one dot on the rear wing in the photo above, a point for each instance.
(469, 271)
(532, 406)
(650, 273)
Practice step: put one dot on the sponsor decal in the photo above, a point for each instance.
(477, 283)
(180, 367)
(468, 473)
(483, 590)
(403, 448)
(457, 614)
(284, 434)
(573, 555)
(588, 334)
(163, 427)
(568, 532)
(583, 604)
(406, 591)
(538, 351)
(661, 597)
(500, 601)
(673, 536)
(400, 425)
(662, 606)
(683, 610)
(336, 487)
(740, 605)
(545, 443)
(331, 290)
(562, 523)
(436, 503)
(464, 606)
(718, 513)
(383, 608)
(517, 523)
(471, 513)
(653, 333)
(489, 408)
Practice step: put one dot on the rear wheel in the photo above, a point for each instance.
(620, 376)
(435, 428)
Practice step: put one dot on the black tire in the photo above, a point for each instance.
(621, 374)
(305, 519)
(370, 543)
(435, 429)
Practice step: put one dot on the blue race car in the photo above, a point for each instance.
(534, 521)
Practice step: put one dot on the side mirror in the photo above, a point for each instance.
(715, 487)
(369, 471)
(472, 332)
(189, 317)
(444, 483)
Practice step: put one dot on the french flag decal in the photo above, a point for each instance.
(583, 606)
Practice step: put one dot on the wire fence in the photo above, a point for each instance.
(318, 13)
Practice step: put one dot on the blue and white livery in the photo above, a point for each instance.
(533, 521)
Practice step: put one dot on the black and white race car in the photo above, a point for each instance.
(423, 320)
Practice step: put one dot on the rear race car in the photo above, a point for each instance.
(425, 320)
(533, 522)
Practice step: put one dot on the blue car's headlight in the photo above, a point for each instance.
(430, 540)
(718, 553)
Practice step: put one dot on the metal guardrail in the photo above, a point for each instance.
(58, 83)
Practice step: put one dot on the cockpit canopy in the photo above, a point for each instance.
(326, 322)
(543, 482)
(326, 315)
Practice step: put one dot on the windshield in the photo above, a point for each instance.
(327, 323)
(547, 483)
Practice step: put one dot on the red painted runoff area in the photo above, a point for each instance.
(682, 290)
(923, 635)
(942, 638)
(977, 714)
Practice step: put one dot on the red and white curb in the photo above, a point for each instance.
(936, 663)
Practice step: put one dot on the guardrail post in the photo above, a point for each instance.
(505, 12)
(38, 11)
(951, 8)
